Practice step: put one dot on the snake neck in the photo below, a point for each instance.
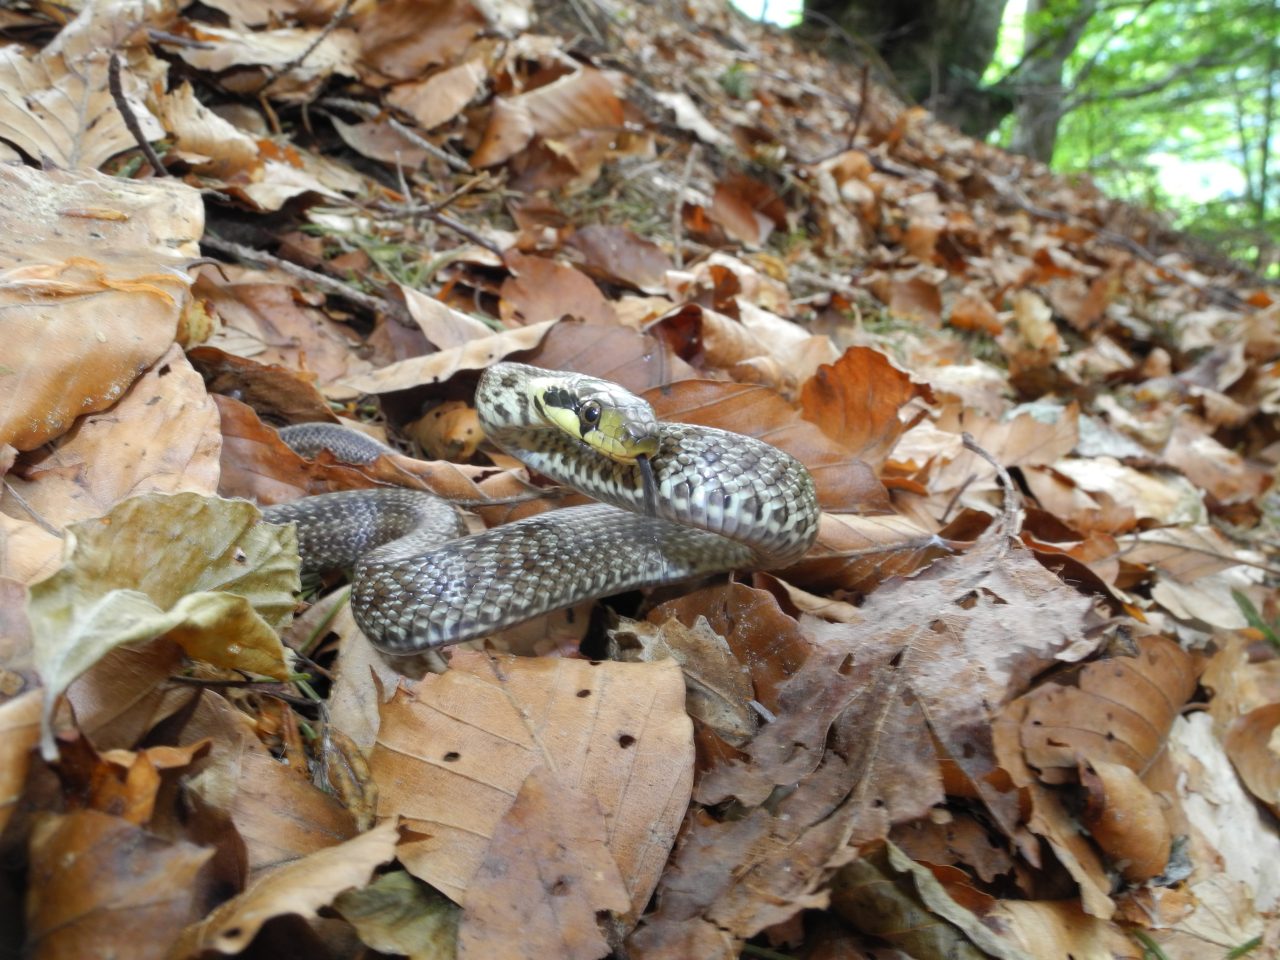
(727, 484)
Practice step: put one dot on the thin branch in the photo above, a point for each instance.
(677, 206)
(374, 304)
(1206, 62)
(371, 112)
(271, 74)
(130, 121)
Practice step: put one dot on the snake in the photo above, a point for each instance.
(674, 502)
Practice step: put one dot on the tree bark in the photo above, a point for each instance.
(1041, 94)
(937, 49)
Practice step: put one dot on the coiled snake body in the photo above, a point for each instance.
(723, 501)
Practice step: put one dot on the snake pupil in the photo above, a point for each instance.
(590, 413)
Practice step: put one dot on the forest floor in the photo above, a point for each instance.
(1020, 700)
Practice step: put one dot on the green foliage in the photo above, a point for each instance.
(1176, 104)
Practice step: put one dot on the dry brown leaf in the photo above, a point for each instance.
(747, 209)
(581, 101)
(299, 888)
(1051, 820)
(123, 783)
(1220, 472)
(265, 319)
(1251, 743)
(160, 437)
(890, 705)
(1059, 928)
(887, 895)
(92, 290)
(400, 38)
(539, 290)
(547, 879)
(758, 632)
(1126, 819)
(855, 401)
(19, 734)
(213, 146)
(1121, 711)
(102, 885)
(616, 255)
(453, 751)
(718, 687)
(272, 390)
(274, 810)
(440, 97)
(857, 553)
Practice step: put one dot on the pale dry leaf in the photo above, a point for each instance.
(1241, 843)
(299, 888)
(444, 326)
(1059, 928)
(57, 105)
(312, 56)
(214, 147)
(440, 366)
(206, 569)
(92, 283)
(548, 876)
(1166, 498)
(454, 749)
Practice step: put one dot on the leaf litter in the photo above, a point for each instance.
(1019, 700)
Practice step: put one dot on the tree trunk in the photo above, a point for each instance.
(937, 49)
(1039, 78)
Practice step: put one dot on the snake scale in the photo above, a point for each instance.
(723, 501)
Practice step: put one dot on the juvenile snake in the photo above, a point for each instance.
(723, 501)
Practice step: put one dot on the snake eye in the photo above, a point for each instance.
(590, 413)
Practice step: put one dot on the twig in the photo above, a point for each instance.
(271, 74)
(370, 112)
(677, 205)
(173, 39)
(374, 304)
(40, 521)
(1009, 512)
(864, 89)
(457, 226)
(130, 121)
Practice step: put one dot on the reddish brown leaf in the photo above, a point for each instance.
(856, 400)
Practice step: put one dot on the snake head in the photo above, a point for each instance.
(602, 415)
